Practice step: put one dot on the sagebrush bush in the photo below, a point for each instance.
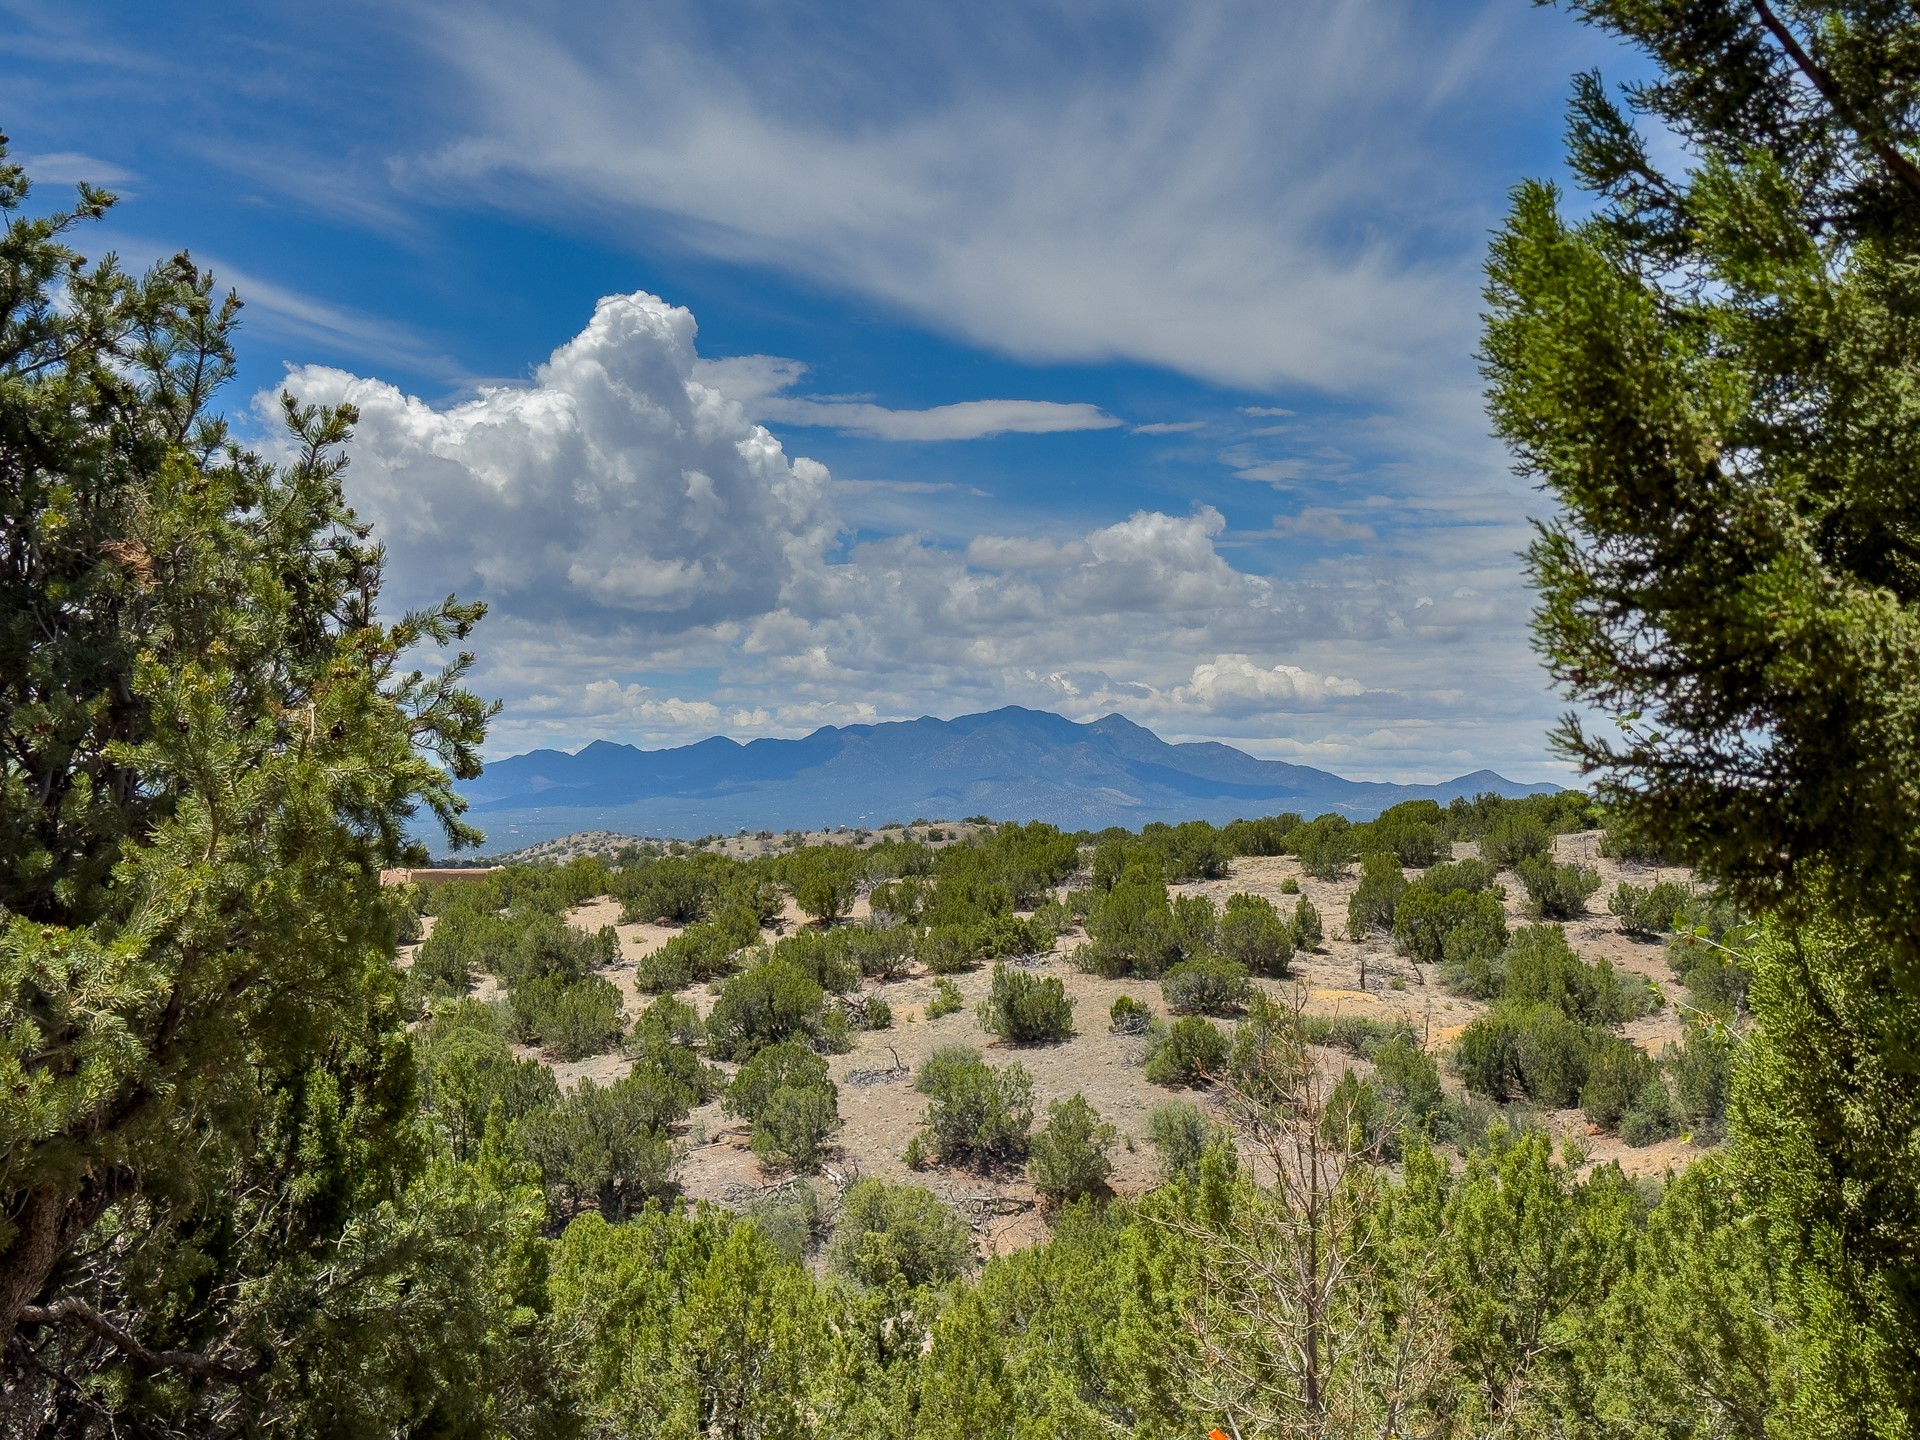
(946, 999)
(1069, 1157)
(1206, 985)
(898, 1232)
(1026, 1009)
(1129, 1016)
(1356, 1034)
(1191, 1051)
(975, 1111)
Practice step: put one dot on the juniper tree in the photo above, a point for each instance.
(211, 742)
(1713, 371)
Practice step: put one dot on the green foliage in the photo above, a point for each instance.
(1133, 931)
(1183, 1134)
(1556, 892)
(570, 1019)
(1307, 929)
(762, 1006)
(1411, 1079)
(1356, 1034)
(1649, 911)
(468, 1072)
(705, 950)
(785, 1066)
(1426, 921)
(1069, 1157)
(946, 999)
(887, 1233)
(608, 1146)
(1540, 967)
(795, 1125)
(1410, 832)
(975, 1112)
(1326, 847)
(1026, 1009)
(1196, 924)
(1252, 934)
(1128, 1016)
(1617, 1073)
(1207, 985)
(1191, 1051)
(1513, 836)
(1259, 837)
(1701, 1069)
(824, 880)
(1371, 906)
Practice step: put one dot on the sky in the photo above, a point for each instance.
(766, 366)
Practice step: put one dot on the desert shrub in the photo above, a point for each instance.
(1556, 892)
(1649, 911)
(901, 901)
(946, 999)
(1208, 985)
(1132, 933)
(1129, 1016)
(1617, 1072)
(1409, 832)
(669, 891)
(1307, 929)
(1325, 846)
(1181, 1131)
(1425, 919)
(1069, 1157)
(1555, 1054)
(1356, 1034)
(975, 1112)
(668, 1021)
(1356, 1118)
(1651, 1117)
(904, 1233)
(1374, 899)
(705, 950)
(607, 1145)
(1471, 964)
(1701, 1068)
(1025, 1009)
(762, 1006)
(1289, 886)
(467, 1069)
(947, 949)
(822, 956)
(1487, 1056)
(1619, 842)
(1513, 836)
(824, 880)
(794, 1128)
(1191, 1051)
(784, 1093)
(1253, 934)
(439, 972)
(571, 1019)
(1470, 875)
(1540, 968)
(1196, 923)
(790, 1218)
(1191, 850)
(1411, 1079)
(1716, 981)
(1259, 837)
(783, 1066)
(867, 1012)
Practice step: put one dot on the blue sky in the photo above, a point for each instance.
(772, 365)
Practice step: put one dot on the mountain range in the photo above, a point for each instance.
(1010, 764)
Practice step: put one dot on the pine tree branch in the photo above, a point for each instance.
(1905, 169)
(72, 1308)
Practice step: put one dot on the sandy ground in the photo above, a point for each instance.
(881, 1109)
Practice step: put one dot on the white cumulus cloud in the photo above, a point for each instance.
(1235, 685)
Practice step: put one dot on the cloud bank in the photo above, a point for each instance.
(659, 569)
